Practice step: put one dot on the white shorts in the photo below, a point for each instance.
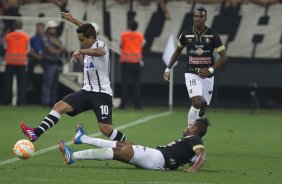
(197, 86)
(147, 158)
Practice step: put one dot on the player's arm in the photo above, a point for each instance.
(201, 154)
(71, 19)
(97, 52)
(221, 60)
(173, 59)
(206, 72)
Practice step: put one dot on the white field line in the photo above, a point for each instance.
(127, 125)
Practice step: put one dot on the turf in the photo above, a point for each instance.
(241, 147)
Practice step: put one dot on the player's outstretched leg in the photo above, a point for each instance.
(79, 133)
(67, 153)
(28, 131)
(81, 138)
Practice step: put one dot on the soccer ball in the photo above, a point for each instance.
(23, 149)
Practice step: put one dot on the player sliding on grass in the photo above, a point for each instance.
(169, 156)
(96, 92)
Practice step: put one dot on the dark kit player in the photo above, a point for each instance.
(200, 42)
(170, 156)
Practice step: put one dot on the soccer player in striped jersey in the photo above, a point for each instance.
(96, 92)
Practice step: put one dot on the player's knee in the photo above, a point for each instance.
(196, 104)
(202, 112)
(203, 109)
(62, 107)
(105, 129)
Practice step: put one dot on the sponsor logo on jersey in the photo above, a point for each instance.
(199, 60)
(199, 51)
(199, 46)
(89, 65)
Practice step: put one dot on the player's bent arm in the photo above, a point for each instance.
(93, 52)
(175, 56)
(173, 59)
(221, 60)
(201, 154)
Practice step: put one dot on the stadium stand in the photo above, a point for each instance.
(251, 31)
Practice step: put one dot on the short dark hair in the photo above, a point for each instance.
(87, 30)
(18, 24)
(202, 124)
(40, 24)
(132, 25)
(201, 9)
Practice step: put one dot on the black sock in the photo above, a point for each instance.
(48, 122)
(116, 135)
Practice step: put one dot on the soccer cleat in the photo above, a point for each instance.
(28, 131)
(79, 133)
(67, 153)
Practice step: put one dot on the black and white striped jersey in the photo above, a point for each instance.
(97, 71)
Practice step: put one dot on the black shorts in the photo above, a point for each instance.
(100, 103)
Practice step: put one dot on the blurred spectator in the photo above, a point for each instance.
(30, 1)
(163, 7)
(144, 2)
(1, 8)
(62, 4)
(16, 62)
(131, 63)
(122, 1)
(232, 3)
(51, 62)
(35, 53)
(141, 2)
(253, 93)
(265, 2)
(11, 8)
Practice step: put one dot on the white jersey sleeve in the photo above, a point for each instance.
(97, 71)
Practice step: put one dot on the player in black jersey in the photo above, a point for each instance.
(169, 156)
(200, 42)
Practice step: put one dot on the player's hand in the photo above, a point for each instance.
(67, 16)
(76, 56)
(190, 170)
(204, 73)
(166, 76)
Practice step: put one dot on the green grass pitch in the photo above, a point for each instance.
(241, 147)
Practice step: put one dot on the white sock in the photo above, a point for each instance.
(101, 143)
(94, 154)
(55, 113)
(193, 114)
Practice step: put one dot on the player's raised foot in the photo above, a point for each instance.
(67, 153)
(28, 131)
(79, 133)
